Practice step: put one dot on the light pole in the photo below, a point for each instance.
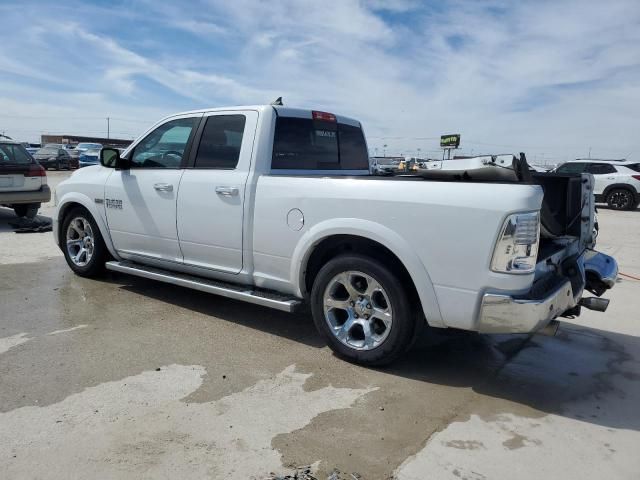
(107, 127)
(384, 152)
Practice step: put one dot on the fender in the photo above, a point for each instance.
(94, 210)
(384, 236)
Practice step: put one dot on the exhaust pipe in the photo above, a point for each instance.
(595, 303)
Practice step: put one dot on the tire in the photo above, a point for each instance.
(355, 325)
(29, 210)
(621, 199)
(91, 262)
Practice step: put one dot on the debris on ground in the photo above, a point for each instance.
(301, 473)
(304, 473)
(31, 225)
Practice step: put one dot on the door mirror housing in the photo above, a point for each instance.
(110, 158)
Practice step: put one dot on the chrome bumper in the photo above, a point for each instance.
(509, 314)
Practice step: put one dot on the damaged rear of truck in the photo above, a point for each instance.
(566, 264)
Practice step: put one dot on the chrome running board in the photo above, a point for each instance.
(265, 298)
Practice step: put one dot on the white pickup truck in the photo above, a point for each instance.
(277, 206)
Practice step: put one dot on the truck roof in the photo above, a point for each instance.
(281, 110)
(597, 160)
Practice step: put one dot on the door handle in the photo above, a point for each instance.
(163, 187)
(227, 191)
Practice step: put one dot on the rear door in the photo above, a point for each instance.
(14, 165)
(604, 174)
(141, 201)
(212, 192)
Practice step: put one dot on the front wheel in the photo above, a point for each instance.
(363, 310)
(82, 243)
(620, 199)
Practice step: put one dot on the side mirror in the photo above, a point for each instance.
(110, 158)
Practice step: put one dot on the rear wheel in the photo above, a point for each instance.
(362, 309)
(29, 210)
(620, 199)
(83, 246)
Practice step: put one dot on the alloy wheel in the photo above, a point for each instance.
(357, 310)
(80, 241)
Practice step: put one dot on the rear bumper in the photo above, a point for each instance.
(33, 196)
(526, 314)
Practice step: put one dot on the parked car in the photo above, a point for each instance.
(89, 157)
(276, 206)
(385, 166)
(54, 157)
(617, 183)
(23, 182)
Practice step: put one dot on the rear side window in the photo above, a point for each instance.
(571, 167)
(600, 168)
(14, 154)
(635, 167)
(221, 142)
(305, 144)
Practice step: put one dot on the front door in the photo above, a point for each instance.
(141, 201)
(212, 192)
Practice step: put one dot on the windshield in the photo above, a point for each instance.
(386, 161)
(47, 151)
(89, 146)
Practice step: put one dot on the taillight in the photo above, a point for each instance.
(328, 117)
(517, 247)
(36, 170)
(637, 177)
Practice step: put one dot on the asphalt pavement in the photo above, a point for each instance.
(123, 377)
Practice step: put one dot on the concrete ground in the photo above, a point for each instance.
(127, 378)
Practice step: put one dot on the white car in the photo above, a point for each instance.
(23, 182)
(617, 183)
(276, 206)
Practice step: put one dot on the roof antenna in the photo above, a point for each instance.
(277, 101)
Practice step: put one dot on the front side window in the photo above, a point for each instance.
(306, 144)
(571, 167)
(600, 168)
(165, 146)
(221, 141)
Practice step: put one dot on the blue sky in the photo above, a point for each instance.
(552, 78)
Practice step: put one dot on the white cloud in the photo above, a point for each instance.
(552, 78)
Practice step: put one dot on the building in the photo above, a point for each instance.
(75, 139)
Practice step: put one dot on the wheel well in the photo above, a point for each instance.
(619, 186)
(335, 245)
(62, 212)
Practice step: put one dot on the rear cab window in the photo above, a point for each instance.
(14, 154)
(321, 144)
